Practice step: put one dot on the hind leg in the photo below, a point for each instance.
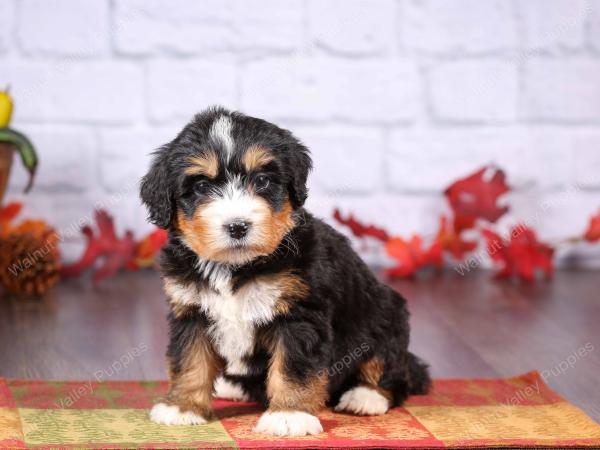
(367, 397)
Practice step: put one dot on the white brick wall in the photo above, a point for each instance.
(396, 98)
(63, 27)
(6, 25)
(353, 27)
(475, 91)
(565, 90)
(467, 27)
(554, 25)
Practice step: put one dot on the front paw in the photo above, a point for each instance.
(172, 415)
(288, 423)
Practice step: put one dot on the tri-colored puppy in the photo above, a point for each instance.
(267, 302)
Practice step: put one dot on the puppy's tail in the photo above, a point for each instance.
(419, 381)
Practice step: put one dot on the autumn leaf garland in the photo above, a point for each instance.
(474, 201)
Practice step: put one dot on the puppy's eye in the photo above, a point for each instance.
(262, 182)
(202, 186)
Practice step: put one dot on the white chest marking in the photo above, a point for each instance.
(234, 316)
(217, 275)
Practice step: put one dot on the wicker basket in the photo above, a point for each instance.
(6, 158)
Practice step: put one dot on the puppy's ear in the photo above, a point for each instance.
(155, 190)
(300, 165)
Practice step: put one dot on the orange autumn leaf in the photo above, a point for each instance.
(451, 241)
(593, 232)
(7, 215)
(148, 249)
(37, 228)
(410, 256)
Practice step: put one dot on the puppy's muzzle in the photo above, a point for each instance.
(238, 228)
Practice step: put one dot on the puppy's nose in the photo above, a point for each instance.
(238, 228)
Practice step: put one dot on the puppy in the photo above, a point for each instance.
(267, 303)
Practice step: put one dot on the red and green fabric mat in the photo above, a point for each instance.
(520, 412)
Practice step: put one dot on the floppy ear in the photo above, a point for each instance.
(155, 190)
(300, 165)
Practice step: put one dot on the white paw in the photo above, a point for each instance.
(288, 423)
(363, 400)
(171, 415)
(229, 391)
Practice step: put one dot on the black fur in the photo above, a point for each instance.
(348, 316)
(164, 188)
(156, 191)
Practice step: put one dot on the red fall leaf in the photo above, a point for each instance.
(361, 230)
(451, 241)
(593, 232)
(113, 252)
(410, 257)
(523, 256)
(476, 196)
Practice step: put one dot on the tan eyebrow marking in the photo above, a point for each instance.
(256, 157)
(205, 164)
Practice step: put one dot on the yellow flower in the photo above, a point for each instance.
(6, 108)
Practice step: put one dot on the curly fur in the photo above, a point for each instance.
(310, 313)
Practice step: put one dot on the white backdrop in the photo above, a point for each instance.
(395, 98)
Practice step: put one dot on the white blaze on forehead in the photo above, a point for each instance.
(220, 131)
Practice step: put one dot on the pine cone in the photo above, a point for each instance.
(29, 263)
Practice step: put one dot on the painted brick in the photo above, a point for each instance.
(313, 89)
(429, 160)
(561, 90)
(273, 25)
(198, 85)
(373, 91)
(286, 88)
(176, 26)
(125, 156)
(471, 27)
(337, 154)
(180, 27)
(6, 25)
(587, 161)
(83, 92)
(353, 27)
(553, 24)
(474, 91)
(546, 212)
(64, 27)
(593, 29)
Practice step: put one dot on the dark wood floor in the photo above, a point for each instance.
(467, 326)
